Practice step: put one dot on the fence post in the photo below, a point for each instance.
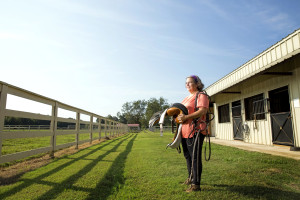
(105, 128)
(113, 129)
(53, 127)
(77, 128)
(117, 129)
(110, 128)
(3, 99)
(91, 129)
(99, 128)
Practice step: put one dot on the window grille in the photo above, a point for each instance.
(260, 106)
(256, 107)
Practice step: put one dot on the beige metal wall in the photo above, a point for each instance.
(257, 85)
(295, 107)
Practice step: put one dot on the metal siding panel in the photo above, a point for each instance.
(244, 71)
(257, 64)
(289, 44)
(253, 135)
(227, 132)
(264, 57)
(278, 52)
(295, 94)
(283, 49)
(260, 132)
(296, 42)
(266, 132)
(273, 54)
(240, 73)
(260, 62)
(263, 133)
(269, 59)
(269, 133)
(233, 77)
(250, 68)
(250, 131)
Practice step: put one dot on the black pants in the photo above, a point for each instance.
(187, 147)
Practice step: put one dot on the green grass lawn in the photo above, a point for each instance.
(138, 166)
(10, 146)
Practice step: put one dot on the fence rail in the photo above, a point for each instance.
(26, 127)
(102, 126)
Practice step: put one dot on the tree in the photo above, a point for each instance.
(113, 118)
(122, 118)
(133, 112)
(154, 105)
(140, 111)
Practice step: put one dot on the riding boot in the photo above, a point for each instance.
(194, 188)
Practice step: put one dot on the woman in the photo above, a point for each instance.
(195, 87)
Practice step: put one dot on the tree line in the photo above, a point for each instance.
(140, 111)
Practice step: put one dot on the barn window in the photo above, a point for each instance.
(255, 107)
(236, 108)
(223, 112)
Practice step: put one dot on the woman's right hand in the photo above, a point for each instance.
(181, 118)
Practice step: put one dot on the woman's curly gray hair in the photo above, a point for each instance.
(198, 81)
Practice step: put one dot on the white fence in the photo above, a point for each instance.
(103, 125)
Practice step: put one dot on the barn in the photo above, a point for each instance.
(259, 101)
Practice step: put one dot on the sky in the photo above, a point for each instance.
(99, 54)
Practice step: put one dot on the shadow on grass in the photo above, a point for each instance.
(58, 187)
(114, 178)
(258, 192)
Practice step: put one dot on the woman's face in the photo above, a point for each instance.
(190, 85)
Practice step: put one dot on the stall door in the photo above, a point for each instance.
(237, 120)
(282, 130)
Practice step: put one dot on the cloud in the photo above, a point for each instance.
(105, 12)
(214, 6)
(275, 19)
